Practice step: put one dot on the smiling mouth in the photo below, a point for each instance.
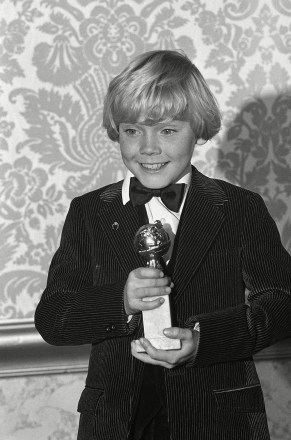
(153, 166)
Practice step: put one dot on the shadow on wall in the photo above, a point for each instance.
(256, 154)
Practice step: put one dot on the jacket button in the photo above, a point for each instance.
(110, 327)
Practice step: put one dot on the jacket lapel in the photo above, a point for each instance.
(200, 223)
(120, 223)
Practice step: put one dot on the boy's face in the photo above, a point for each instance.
(157, 155)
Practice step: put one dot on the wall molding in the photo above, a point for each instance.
(24, 353)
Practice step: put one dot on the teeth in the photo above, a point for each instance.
(153, 166)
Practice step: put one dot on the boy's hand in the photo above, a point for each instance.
(145, 282)
(170, 358)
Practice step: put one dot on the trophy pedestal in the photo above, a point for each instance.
(152, 242)
(154, 322)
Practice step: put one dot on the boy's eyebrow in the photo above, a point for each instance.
(141, 124)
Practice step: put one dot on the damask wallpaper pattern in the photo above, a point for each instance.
(56, 60)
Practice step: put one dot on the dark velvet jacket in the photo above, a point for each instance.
(231, 274)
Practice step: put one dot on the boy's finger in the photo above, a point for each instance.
(148, 272)
(177, 333)
(151, 304)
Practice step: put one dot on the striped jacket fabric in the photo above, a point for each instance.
(231, 274)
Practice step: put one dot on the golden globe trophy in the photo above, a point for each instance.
(152, 242)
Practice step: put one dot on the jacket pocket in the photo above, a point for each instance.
(89, 400)
(246, 399)
(88, 406)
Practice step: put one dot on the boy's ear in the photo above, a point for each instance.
(200, 141)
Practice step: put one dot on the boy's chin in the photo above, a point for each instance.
(153, 181)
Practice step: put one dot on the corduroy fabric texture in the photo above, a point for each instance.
(226, 243)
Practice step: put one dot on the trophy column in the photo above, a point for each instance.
(152, 241)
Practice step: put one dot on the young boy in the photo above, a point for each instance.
(224, 242)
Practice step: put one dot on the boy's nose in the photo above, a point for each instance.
(149, 145)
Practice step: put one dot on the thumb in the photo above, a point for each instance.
(172, 332)
(178, 333)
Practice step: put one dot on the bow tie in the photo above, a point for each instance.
(171, 195)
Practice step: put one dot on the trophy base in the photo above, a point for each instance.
(154, 322)
(161, 344)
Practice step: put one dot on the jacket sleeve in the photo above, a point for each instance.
(72, 310)
(241, 331)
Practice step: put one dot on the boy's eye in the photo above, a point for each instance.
(130, 131)
(168, 131)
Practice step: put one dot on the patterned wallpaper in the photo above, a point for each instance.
(57, 57)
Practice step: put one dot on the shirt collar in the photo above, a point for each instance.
(125, 186)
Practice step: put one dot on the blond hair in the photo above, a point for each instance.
(159, 86)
